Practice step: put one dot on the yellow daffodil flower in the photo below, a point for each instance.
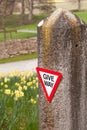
(7, 91)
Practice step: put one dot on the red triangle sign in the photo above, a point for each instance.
(49, 80)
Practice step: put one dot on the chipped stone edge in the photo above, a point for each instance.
(40, 23)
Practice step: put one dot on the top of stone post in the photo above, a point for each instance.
(60, 20)
(60, 26)
(69, 16)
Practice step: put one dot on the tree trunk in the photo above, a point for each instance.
(30, 16)
(79, 5)
(22, 12)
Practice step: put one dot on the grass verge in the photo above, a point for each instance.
(82, 15)
(13, 22)
(19, 58)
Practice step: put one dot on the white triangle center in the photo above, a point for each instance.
(49, 81)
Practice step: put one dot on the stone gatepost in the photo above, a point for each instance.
(62, 47)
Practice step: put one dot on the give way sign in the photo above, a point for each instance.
(49, 80)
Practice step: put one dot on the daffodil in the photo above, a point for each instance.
(34, 87)
(6, 86)
(6, 79)
(20, 88)
(18, 94)
(36, 84)
(17, 84)
(25, 87)
(34, 81)
(7, 91)
(21, 94)
(37, 96)
(2, 83)
(23, 78)
(23, 82)
(12, 93)
(29, 83)
(33, 101)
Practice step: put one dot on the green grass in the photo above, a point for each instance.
(82, 15)
(19, 58)
(13, 23)
(19, 35)
(40, 17)
(30, 26)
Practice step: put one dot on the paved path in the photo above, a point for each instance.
(27, 31)
(21, 66)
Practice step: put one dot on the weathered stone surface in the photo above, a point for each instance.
(62, 46)
(18, 47)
